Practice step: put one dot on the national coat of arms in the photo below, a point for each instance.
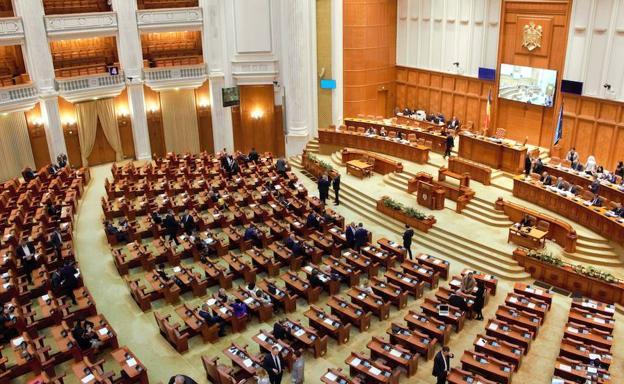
(532, 36)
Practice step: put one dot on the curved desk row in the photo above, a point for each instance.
(509, 158)
(583, 180)
(571, 207)
(408, 151)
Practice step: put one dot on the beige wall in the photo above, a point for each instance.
(324, 59)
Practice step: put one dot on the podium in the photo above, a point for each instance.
(430, 196)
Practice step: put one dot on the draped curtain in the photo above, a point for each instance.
(15, 150)
(86, 114)
(180, 121)
(87, 117)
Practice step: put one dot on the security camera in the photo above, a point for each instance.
(456, 63)
(607, 86)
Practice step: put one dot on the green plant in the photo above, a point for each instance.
(546, 256)
(415, 213)
(595, 273)
(392, 204)
(408, 211)
(325, 165)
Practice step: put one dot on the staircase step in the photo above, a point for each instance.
(594, 260)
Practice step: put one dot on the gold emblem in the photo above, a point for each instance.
(532, 36)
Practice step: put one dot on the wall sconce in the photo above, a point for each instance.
(69, 125)
(257, 114)
(123, 113)
(203, 103)
(37, 122)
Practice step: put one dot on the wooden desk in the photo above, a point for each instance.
(588, 335)
(422, 272)
(361, 263)
(307, 337)
(331, 285)
(571, 207)
(359, 168)
(243, 359)
(328, 324)
(279, 295)
(336, 376)
(520, 318)
(424, 130)
(410, 151)
(370, 302)
(349, 312)
(578, 351)
(389, 292)
(407, 282)
(429, 325)
(459, 376)
(381, 164)
(499, 349)
(375, 372)
(580, 316)
(510, 332)
(301, 286)
(527, 237)
(527, 304)
(509, 158)
(395, 356)
(559, 231)
(440, 265)
(348, 274)
(489, 367)
(415, 341)
(569, 369)
(266, 341)
(594, 306)
(607, 190)
(456, 317)
(131, 366)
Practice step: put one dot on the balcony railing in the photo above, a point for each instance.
(175, 77)
(16, 97)
(11, 30)
(81, 88)
(75, 25)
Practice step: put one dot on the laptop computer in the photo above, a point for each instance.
(443, 310)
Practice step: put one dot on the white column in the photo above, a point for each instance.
(41, 70)
(299, 72)
(214, 48)
(131, 58)
(138, 116)
(337, 94)
(51, 117)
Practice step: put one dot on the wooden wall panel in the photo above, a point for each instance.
(68, 113)
(594, 127)
(204, 118)
(261, 133)
(124, 123)
(369, 47)
(38, 140)
(519, 119)
(453, 95)
(154, 122)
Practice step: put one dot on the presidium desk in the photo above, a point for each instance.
(507, 156)
(331, 140)
(571, 207)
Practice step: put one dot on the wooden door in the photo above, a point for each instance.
(382, 103)
(102, 151)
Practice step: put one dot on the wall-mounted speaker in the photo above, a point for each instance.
(569, 86)
(487, 74)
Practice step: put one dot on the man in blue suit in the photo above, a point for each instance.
(361, 236)
(350, 235)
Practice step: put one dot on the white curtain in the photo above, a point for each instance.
(86, 114)
(180, 121)
(15, 150)
(108, 120)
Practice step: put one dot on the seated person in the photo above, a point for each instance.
(315, 280)
(28, 174)
(119, 234)
(253, 155)
(399, 136)
(458, 301)
(365, 287)
(156, 219)
(619, 169)
(279, 331)
(596, 201)
(526, 221)
(61, 160)
(371, 131)
(599, 170)
(251, 234)
(298, 249)
(618, 210)
(210, 318)
(84, 335)
(53, 211)
(290, 241)
(440, 118)
(595, 186)
(546, 179)
(222, 296)
(538, 166)
(573, 189)
(407, 112)
(239, 308)
(53, 169)
(590, 166)
(382, 132)
(262, 297)
(577, 166)
(313, 221)
(561, 184)
(454, 123)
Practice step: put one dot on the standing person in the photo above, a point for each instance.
(323, 187)
(479, 300)
(450, 143)
(188, 222)
(181, 379)
(528, 164)
(442, 365)
(361, 236)
(336, 186)
(297, 372)
(274, 364)
(172, 226)
(280, 166)
(350, 235)
(253, 155)
(407, 240)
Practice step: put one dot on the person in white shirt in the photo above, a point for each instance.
(590, 166)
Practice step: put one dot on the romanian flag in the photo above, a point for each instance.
(488, 110)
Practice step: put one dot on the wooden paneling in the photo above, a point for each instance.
(519, 119)
(369, 44)
(57, 7)
(154, 122)
(453, 95)
(102, 152)
(204, 118)
(171, 48)
(68, 113)
(151, 4)
(124, 123)
(262, 133)
(96, 51)
(594, 127)
(38, 140)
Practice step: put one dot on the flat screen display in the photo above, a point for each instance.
(527, 84)
(328, 84)
(230, 96)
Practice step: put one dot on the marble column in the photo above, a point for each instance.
(131, 58)
(51, 117)
(298, 70)
(40, 67)
(213, 44)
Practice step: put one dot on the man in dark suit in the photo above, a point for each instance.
(594, 187)
(56, 242)
(313, 221)
(361, 236)
(26, 251)
(188, 222)
(546, 179)
(450, 143)
(323, 187)
(596, 201)
(211, 319)
(407, 240)
(336, 186)
(442, 365)
(280, 166)
(315, 280)
(538, 166)
(298, 249)
(69, 280)
(290, 241)
(28, 174)
(253, 155)
(171, 227)
(53, 169)
(350, 235)
(279, 332)
(454, 123)
(528, 164)
(53, 211)
(251, 234)
(274, 365)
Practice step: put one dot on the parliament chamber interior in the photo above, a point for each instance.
(311, 191)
